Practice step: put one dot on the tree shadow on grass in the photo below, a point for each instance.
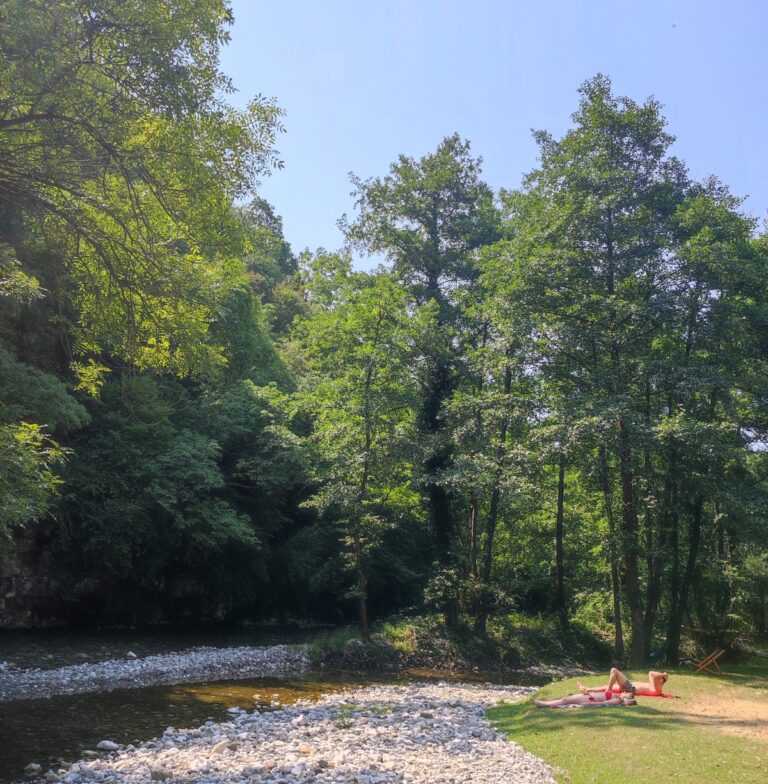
(750, 677)
(514, 718)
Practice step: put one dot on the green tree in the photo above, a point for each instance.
(635, 280)
(489, 417)
(28, 482)
(429, 217)
(121, 159)
(594, 229)
(359, 393)
(148, 528)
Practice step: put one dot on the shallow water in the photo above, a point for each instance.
(47, 731)
(51, 730)
(44, 731)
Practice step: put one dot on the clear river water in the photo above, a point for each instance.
(56, 730)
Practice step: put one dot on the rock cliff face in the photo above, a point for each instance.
(33, 595)
(29, 595)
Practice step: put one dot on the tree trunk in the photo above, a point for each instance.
(437, 387)
(675, 613)
(481, 616)
(629, 534)
(659, 557)
(361, 577)
(618, 633)
(630, 546)
(473, 515)
(653, 543)
(680, 603)
(559, 566)
(362, 584)
(473, 511)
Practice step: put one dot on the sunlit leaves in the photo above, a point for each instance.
(28, 481)
(120, 152)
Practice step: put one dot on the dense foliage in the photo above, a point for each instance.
(551, 398)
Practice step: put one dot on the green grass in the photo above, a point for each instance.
(330, 642)
(401, 636)
(531, 639)
(513, 640)
(659, 741)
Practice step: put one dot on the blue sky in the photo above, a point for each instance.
(363, 82)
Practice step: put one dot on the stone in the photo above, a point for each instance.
(218, 747)
(33, 769)
(191, 666)
(107, 745)
(422, 738)
(159, 774)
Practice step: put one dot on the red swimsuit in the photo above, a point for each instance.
(608, 696)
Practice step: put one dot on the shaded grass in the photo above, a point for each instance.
(330, 642)
(655, 742)
(512, 640)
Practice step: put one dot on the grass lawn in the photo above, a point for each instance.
(716, 732)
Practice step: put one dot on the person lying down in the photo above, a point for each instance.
(593, 699)
(618, 682)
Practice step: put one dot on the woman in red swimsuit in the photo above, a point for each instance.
(588, 700)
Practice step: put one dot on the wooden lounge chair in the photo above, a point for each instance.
(709, 663)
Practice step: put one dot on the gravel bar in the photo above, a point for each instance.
(426, 733)
(195, 665)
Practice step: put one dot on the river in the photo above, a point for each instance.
(49, 731)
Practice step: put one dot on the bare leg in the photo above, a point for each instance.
(588, 689)
(618, 678)
(571, 699)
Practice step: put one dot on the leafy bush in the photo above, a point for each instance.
(331, 642)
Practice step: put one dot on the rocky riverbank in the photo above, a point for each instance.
(435, 733)
(196, 665)
(439, 655)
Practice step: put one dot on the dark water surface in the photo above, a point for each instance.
(46, 730)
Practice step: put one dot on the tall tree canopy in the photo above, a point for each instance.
(120, 159)
(552, 397)
(430, 217)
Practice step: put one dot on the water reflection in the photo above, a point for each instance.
(47, 731)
